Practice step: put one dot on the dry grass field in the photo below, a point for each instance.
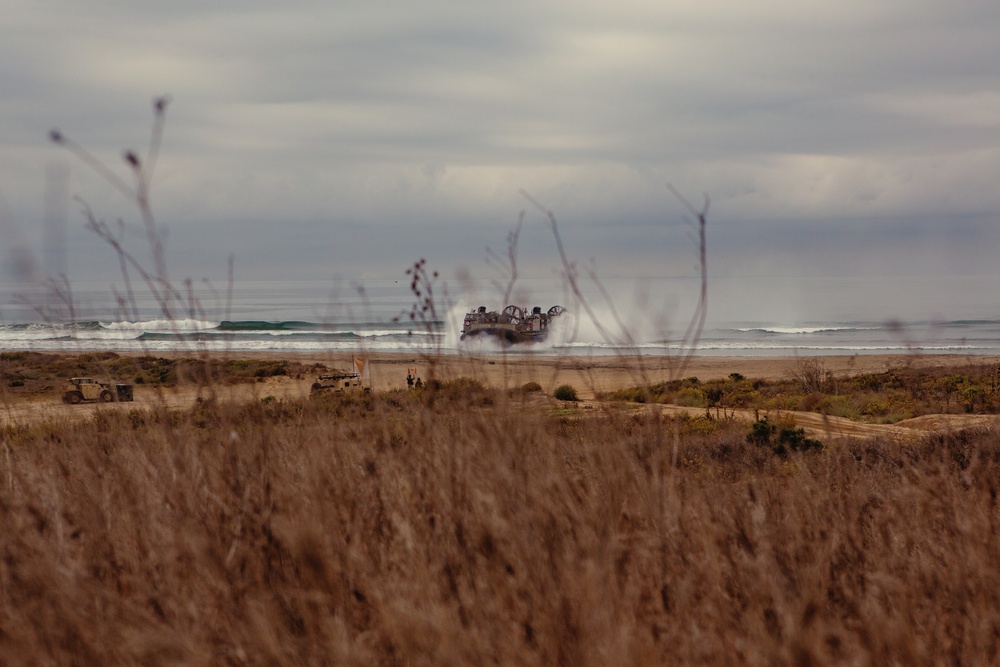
(465, 524)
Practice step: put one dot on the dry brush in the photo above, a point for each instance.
(481, 528)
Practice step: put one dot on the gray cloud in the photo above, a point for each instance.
(302, 136)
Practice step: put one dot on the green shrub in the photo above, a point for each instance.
(714, 391)
(870, 381)
(796, 440)
(742, 395)
(701, 425)
(761, 432)
(531, 387)
(691, 398)
(839, 406)
(630, 394)
(789, 438)
(566, 392)
(889, 408)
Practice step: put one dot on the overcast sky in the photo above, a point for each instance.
(314, 140)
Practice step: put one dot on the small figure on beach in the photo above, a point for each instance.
(420, 383)
(409, 381)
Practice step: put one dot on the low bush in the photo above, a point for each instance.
(840, 406)
(566, 392)
(630, 394)
(691, 398)
(885, 397)
(762, 433)
(701, 425)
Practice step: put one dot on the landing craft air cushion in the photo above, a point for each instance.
(511, 325)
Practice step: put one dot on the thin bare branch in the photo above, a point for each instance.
(569, 271)
(88, 159)
(692, 335)
(156, 136)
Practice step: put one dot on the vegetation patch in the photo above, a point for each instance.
(565, 392)
(29, 374)
(782, 438)
(884, 398)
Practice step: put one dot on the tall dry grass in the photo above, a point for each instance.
(482, 529)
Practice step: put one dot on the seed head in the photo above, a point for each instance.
(160, 104)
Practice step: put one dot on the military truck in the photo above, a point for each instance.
(78, 390)
(338, 381)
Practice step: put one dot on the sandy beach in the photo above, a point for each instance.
(604, 373)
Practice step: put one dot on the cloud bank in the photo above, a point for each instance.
(838, 139)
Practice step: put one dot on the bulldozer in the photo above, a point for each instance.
(78, 390)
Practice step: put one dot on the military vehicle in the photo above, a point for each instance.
(78, 390)
(512, 325)
(338, 381)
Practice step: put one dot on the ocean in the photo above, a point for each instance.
(625, 316)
